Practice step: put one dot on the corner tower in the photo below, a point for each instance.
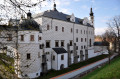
(54, 6)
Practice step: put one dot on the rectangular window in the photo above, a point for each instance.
(62, 43)
(62, 57)
(76, 30)
(38, 54)
(9, 37)
(81, 39)
(84, 46)
(70, 42)
(57, 43)
(31, 37)
(71, 30)
(76, 39)
(81, 31)
(53, 57)
(48, 27)
(22, 37)
(71, 51)
(39, 38)
(76, 47)
(85, 39)
(40, 46)
(47, 44)
(28, 55)
(62, 29)
(81, 47)
(56, 28)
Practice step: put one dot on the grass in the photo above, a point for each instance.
(7, 62)
(6, 66)
(53, 73)
(111, 71)
(6, 58)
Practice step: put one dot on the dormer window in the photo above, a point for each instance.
(72, 18)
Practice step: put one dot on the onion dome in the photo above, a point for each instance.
(91, 12)
(29, 24)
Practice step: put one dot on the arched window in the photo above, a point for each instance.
(90, 42)
(62, 66)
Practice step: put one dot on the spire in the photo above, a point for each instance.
(54, 6)
(91, 12)
(92, 16)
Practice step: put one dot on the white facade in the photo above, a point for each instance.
(32, 65)
(58, 30)
(57, 61)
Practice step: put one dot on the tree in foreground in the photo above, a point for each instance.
(113, 32)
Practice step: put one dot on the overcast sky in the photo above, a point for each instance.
(103, 10)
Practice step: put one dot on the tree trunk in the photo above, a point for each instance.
(115, 45)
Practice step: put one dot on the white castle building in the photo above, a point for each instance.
(49, 40)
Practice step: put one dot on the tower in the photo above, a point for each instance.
(54, 6)
(92, 16)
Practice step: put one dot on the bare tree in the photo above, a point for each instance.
(114, 27)
(16, 8)
(105, 42)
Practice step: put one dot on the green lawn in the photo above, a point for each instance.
(111, 71)
(54, 73)
(6, 66)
